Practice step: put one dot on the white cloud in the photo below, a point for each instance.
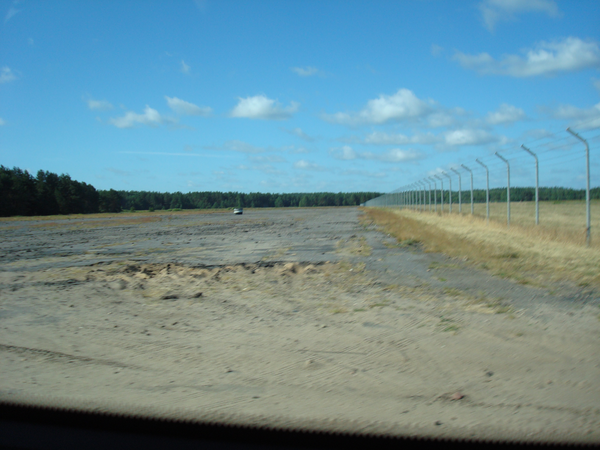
(393, 155)
(99, 105)
(493, 11)
(346, 153)
(261, 107)
(505, 114)
(305, 71)
(596, 83)
(150, 117)
(2, 122)
(301, 134)
(469, 137)
(548, 58)
(444, 118)
(184, 67)
(186, 108)
(402, 105)
(381, 138)
(306, 165)
(30, 41)
(582, 118)
(6, 75)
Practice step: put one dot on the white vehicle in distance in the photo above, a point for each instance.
(238, 211)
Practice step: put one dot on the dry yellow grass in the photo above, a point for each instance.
(558, 220)
(553, 251)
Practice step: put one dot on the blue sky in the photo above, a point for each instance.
(298, 96)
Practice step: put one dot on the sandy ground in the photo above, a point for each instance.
(302, 318)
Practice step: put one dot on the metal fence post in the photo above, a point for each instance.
(507, 188)
(537, 205)
(441, 191)
(459, 190)
(434, 194)
(471, 172)
(587, 188)
(449, 192)
(487, 190)
(429, 186)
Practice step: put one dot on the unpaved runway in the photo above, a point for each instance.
(305, 317)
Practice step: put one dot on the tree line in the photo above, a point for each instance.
(143, 200)
(22, 194)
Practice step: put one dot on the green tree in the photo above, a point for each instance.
(110, 201)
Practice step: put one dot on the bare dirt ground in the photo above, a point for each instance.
(294, 318)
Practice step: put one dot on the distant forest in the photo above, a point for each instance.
(22, 194)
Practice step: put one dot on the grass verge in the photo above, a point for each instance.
(520, 253)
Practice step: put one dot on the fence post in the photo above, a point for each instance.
(459, 190)
(471, 172)
(587, 188)
(487, 190)
(507, 188)
(429, 186)
(449, 192)
(537, 205)
(434, 194)
(441, 191)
